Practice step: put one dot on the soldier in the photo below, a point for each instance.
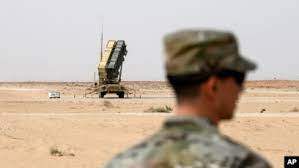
(207, 73)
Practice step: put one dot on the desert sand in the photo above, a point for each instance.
(81, 131)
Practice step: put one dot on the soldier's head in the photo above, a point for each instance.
(205, 66)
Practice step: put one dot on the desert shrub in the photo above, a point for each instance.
(54, 151)
(295, 109)
(107, 104)
(263, 110)
(163, 109)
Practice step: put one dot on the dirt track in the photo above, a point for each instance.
(89, 131)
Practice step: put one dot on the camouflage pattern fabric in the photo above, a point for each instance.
(188, 142)
(203, 51)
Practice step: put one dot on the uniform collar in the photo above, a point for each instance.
(191, 121)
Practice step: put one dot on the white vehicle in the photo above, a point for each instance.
(54, 94)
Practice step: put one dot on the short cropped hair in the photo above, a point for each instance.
(186, 86)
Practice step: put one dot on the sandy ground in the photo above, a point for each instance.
(79, 130)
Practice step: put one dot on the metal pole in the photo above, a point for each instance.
(102, 36)
(101, 50)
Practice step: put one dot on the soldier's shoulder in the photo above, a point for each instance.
(216, 150)
(124, 159)
(161, 145)
(241, 156)
(135, 155)
(188, 149)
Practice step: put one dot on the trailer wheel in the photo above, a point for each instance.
(102, 94)
(121, 94)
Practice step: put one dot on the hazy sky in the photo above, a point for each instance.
(58, 40)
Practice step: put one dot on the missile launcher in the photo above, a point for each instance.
(110, 68)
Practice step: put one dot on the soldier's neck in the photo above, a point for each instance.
(197, 110)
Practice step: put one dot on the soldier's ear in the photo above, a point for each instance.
(210, 87)
(214, 87)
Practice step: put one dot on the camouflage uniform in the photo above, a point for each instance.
(190, 142)
(186, 142)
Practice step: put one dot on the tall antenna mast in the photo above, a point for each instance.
(102, 34)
